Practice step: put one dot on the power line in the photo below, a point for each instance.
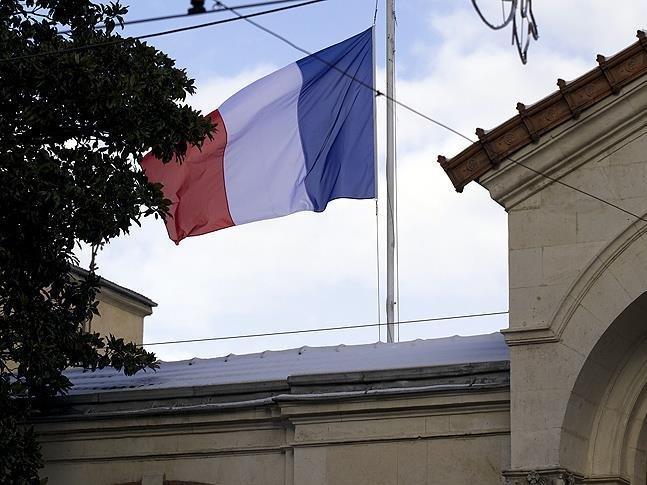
(325, 329)
(345, 73)
(584, 192)
(248, 17)
(184, 15)
(527, 22)
(378, 93)
(159, 34)
(429, 118)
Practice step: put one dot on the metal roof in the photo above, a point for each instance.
(273, 366)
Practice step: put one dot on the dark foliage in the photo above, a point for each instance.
(72, 127)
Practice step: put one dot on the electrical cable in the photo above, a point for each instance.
(324, 329)
(247, 18)
(378, 93)
(506, 21)
(377, 269)
(121, 40)
(184, 15)
(584, 192)
(524, 7)
(430, 119)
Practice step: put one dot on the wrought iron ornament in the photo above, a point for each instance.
(524, 26)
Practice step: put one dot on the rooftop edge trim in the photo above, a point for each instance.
(572, 98)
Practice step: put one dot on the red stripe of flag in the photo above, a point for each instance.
(196, 187)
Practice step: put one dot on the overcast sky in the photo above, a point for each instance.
(313, 270)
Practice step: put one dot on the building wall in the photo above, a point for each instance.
(576, 409)
(434, 438)
(578, 267)
(121, 312)
(120, 319)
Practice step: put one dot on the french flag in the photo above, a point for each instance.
(291, 141)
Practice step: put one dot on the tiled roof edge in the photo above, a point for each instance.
(532, 122)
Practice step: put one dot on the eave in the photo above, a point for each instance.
(534, 121)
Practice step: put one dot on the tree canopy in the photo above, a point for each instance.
(79, 106)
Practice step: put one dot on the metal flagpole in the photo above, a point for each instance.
(390, 170)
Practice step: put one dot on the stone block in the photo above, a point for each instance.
(606, 298)
(467, 461)
(525, 267)
(591, 179)
(627, 181)
(310, 466)
(357, 429)
(563, 264)
(535, 449)
(482, 422)
(411, 463)
(534, 306)
(600, 222)
(153, 479)
(541, 227)
(634, 152)
(362, 464)
(630, 269)
(532, 202)
(538, 410)
(545, 367)
(583, 330)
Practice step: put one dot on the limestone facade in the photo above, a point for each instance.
(434, 425)
(578, 277)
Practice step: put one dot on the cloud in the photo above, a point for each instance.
(213, 91)
(311, 270)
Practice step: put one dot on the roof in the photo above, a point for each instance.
(121, 290)
(298, 365)
(532, 122)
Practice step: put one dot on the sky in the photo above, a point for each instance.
(313, 270)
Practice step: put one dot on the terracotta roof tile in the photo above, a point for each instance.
(532, 122)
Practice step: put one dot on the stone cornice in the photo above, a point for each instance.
(534, 121)
(453, 385)
(612, 124)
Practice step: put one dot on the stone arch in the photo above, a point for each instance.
(619, 260)
(603, 318)
(604, 434)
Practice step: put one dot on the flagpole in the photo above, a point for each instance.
(390, 171)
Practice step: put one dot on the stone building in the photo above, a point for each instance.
(560, 397)
(121, 309)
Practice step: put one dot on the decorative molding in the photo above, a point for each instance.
(526, 336)
(554, 476)
(605, 129)
(534, 121)
(534, 478)
(578, 290)
(598, 266)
